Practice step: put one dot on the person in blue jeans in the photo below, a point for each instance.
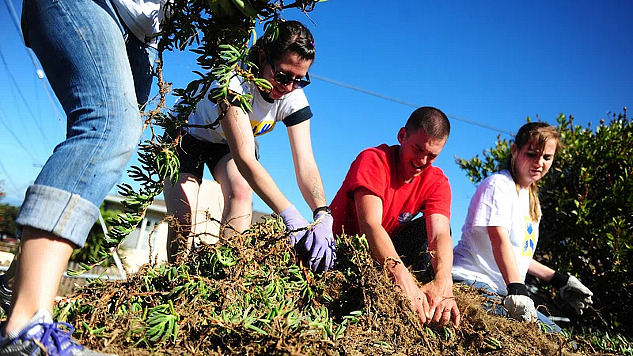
(501, 231)
(99, 64)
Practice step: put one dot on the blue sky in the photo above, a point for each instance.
(493, 62)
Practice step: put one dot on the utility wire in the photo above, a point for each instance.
(17, 88)
(38, 69)
(331, 81)
(396, 100)
(14, 15)
(6, 173)
(17, 139)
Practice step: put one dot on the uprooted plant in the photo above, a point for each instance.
(250, 295)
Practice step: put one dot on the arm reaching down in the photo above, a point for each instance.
(570, 288)
(239, 136)
(439, 292)
(369, 211)
(519, 305)
(241, 142)
(319, 246)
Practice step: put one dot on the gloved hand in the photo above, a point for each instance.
(576, 294)
(322, 248)
(518, 304)
(315, 245)
(293, 220)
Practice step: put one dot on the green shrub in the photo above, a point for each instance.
(8, 214)
(95, 247)
(587, 205)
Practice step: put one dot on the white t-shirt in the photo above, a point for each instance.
(291, 108)
(142, 17)
(495, 203)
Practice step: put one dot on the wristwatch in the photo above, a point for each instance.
(320, 209)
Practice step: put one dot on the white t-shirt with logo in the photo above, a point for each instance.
(291, 108)
(495, 203)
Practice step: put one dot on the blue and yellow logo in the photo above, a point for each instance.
(260, 128)
(529, 242)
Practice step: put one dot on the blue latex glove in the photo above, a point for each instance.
(320, 243)
(293, 221)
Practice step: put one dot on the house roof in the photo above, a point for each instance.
(158, 205)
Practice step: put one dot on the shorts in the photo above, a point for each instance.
(194, 154)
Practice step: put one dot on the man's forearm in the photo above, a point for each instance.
(443, 258)
(380, 244)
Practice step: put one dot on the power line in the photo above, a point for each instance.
(17, 139)
(6, 173)
(24, 147)
(14, 15)
(17, 88)
(396, 100)
(38, 69)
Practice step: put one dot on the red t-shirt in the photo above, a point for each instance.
(375, 169)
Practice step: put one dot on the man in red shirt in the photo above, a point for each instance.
(385, 188)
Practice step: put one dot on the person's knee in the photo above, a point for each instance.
(240, 193)
(128, 136)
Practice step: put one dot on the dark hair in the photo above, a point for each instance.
(291, 36)
(432, 120)
(534, 134)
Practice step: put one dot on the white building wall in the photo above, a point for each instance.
(139, 248)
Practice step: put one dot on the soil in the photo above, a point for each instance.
(249, 296)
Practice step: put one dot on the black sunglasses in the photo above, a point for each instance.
(284, 79)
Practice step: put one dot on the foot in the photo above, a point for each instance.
(42, 336)
(5, 296)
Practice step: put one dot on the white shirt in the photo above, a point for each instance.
(291, 108)
(142, 17)
(495, 203)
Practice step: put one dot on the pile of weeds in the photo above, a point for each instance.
(249, 296)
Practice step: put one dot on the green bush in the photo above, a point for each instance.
(587, 205)
(95, 247)
(8, 214)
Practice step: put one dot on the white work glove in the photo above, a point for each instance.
(576, 294)
(518, 304)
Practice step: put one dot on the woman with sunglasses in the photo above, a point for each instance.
(230, 150)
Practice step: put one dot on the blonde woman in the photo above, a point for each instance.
(502, 228)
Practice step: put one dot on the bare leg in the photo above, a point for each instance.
(43, 259)
(182, 201)
(238, 197)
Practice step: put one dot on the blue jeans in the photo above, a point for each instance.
(100, 75)
(496, 307)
